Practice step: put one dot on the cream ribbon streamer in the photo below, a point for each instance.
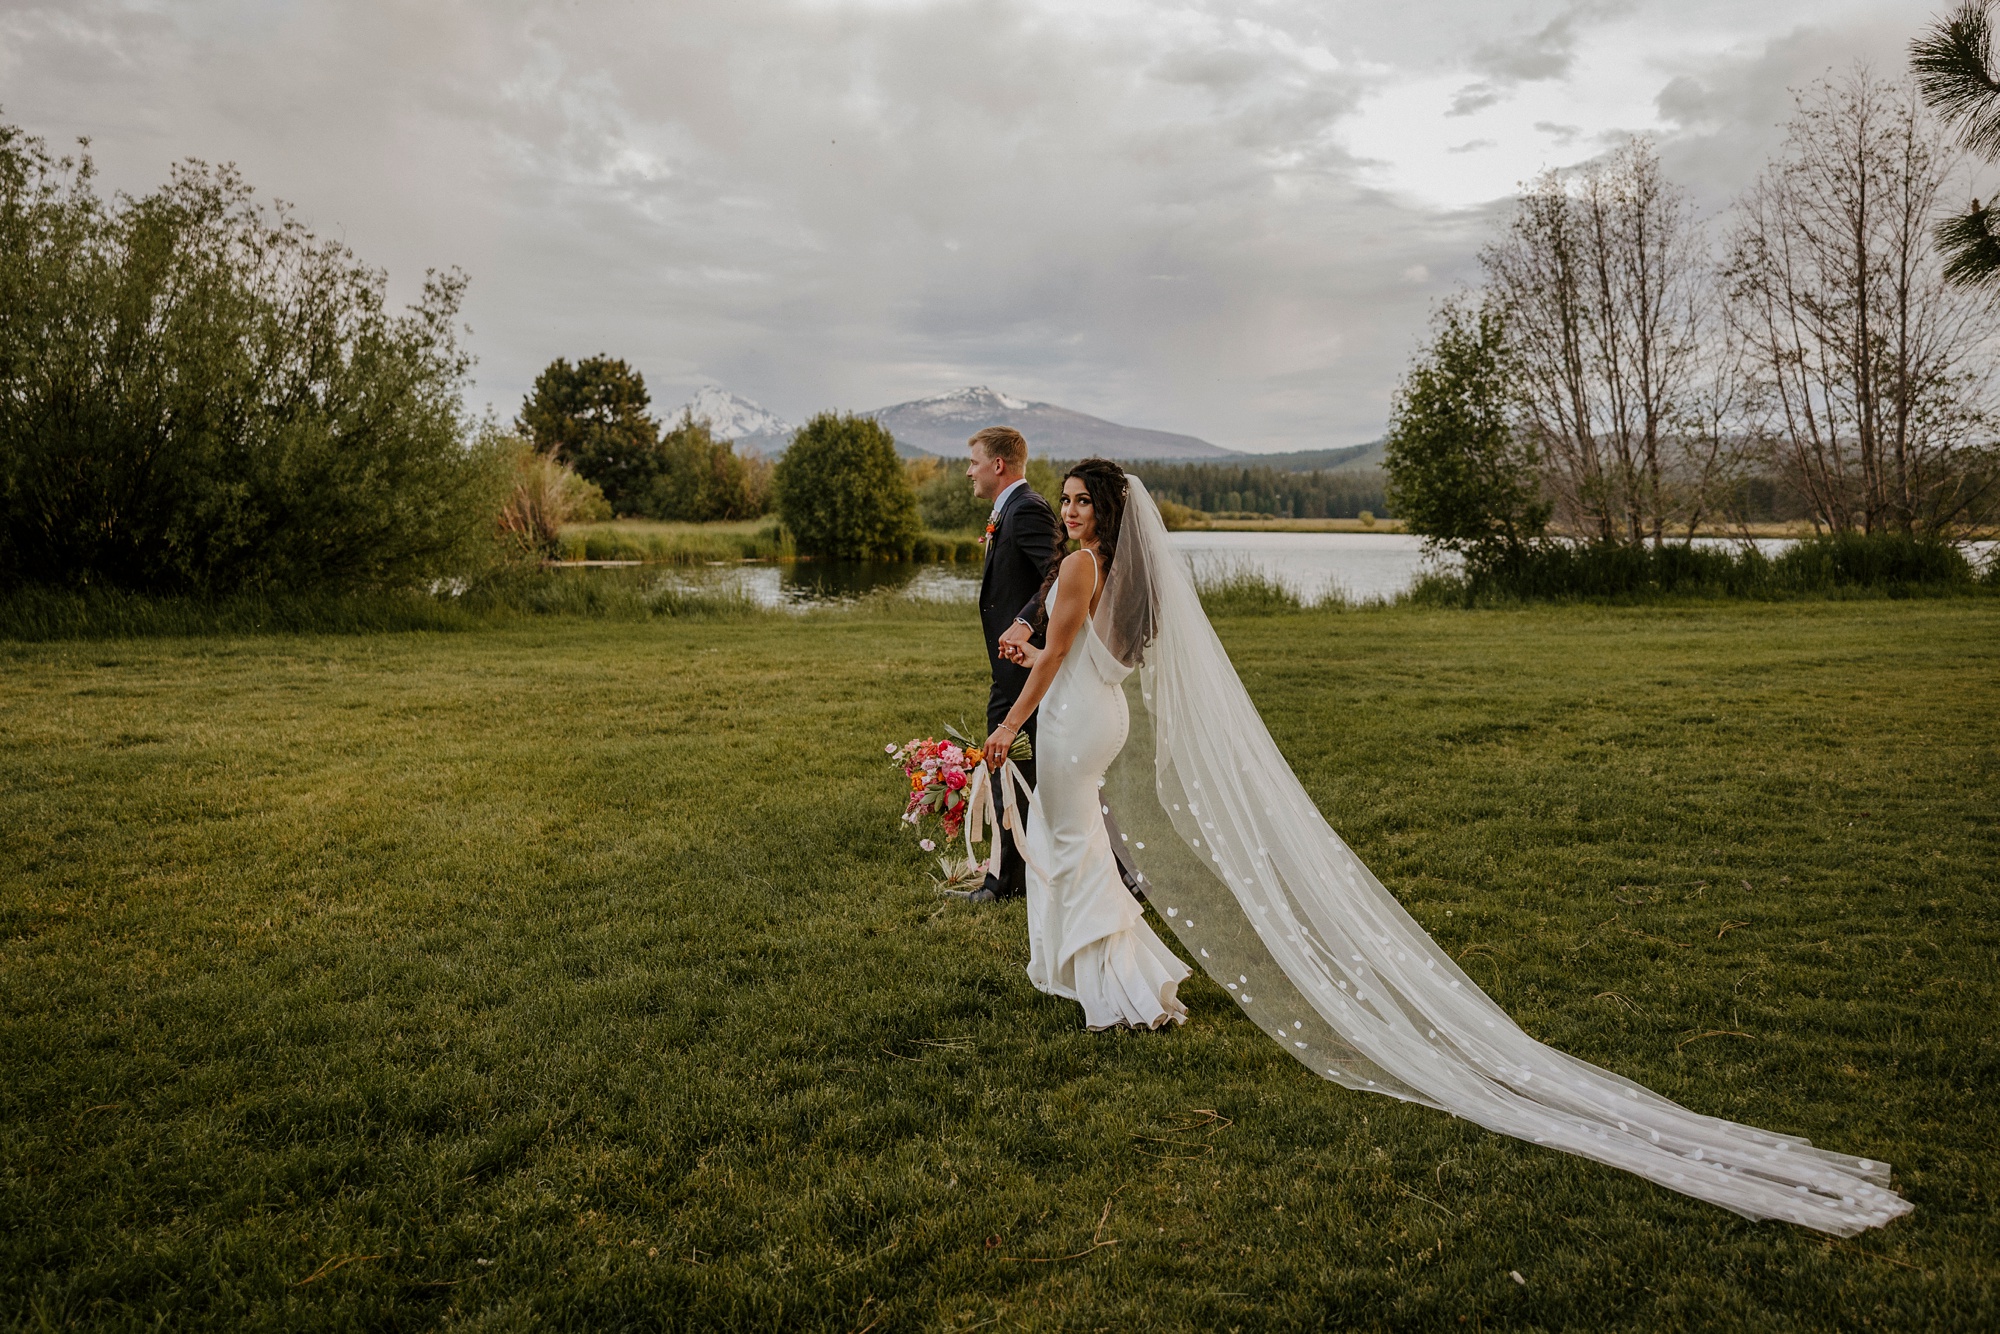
(982, 811)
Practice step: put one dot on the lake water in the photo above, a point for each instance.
(1361, 566)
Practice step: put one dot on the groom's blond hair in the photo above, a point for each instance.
(1003, 443)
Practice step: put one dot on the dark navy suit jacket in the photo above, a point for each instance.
(1024, 546)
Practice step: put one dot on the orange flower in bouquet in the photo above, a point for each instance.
(939, 774)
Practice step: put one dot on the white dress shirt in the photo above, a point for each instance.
(1000, 500)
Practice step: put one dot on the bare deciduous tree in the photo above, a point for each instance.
(1606, 278)
(1872, 377)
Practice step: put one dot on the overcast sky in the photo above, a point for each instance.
(1226, 218)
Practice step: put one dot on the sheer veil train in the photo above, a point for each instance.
(1276, 908)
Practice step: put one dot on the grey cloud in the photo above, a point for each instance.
(1546, 53)
(1474, 97)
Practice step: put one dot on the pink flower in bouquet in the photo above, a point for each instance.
(939, 778)
(927, 845)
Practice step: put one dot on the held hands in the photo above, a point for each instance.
(1014, 645)
(1021, 653)
(1014, 640)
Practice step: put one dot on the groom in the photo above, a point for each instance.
(1022, 539)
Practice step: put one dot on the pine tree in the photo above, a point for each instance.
(592, 416)
(1956, 73)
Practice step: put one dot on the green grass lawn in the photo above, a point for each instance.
(580, 975)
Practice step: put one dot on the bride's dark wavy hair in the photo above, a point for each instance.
(1105, 483)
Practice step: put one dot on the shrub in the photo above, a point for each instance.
(843, 493)
(701, 479)
(947, 503)
(1897, 564)
(1558, 570)
(197, 395)
(546, 495)
(1177, 516)
(1893, 561)
(1044, 479)
(1459, 473)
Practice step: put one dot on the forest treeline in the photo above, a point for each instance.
(1260, 489)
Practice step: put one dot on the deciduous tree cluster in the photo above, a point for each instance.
(1643, 371)
(197, 395)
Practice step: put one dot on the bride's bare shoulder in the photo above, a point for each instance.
(1077, 568)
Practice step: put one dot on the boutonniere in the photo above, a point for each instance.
(990, 526)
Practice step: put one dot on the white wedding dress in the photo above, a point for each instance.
(1310, 946)
(1088, 940)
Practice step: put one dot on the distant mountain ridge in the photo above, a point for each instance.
(941, 423)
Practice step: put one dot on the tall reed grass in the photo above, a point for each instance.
(1838, 566)
(497, 599)
(1834, 564)
(1242, 588)
(676, 546)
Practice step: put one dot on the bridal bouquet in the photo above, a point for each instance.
(939, 772)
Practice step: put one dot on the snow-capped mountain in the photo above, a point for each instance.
(941, 423)
(754, 428)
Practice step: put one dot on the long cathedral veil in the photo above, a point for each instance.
(1312, 948)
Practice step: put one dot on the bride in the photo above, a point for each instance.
(1279, 911)
(1087, 936)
